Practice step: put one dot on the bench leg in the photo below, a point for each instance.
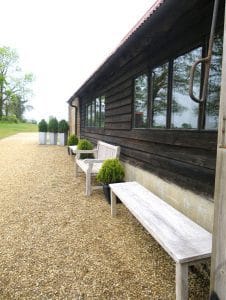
(76, 169)
(88, 184)
(181, 281)
(113, 204)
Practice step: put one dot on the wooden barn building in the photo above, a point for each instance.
(139, 99)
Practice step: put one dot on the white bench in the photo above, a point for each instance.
(185, 241)
(91, 166)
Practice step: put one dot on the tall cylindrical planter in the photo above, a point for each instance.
(62, 138)
(42, 138)
(53, 138)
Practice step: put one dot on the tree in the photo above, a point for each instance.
(212, 105)
(141, 101)
(15, 88)
(182, 104)
(159, 92)
(18, 106)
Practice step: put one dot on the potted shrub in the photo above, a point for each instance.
(112, 171)
(63, 132)
(53, 129)
(72, 141)
(42, 128)
(84, 144)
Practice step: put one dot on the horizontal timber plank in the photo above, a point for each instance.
(178, 167)
(196, 157)
(113, 89)
(197, 186)
(118, 104)
(192, 139)
(125, 93)
(184, 173)
(116, 126)
(122, 110)
(117, 118)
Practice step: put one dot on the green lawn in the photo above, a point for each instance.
(7, 129)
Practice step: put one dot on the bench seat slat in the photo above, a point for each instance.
(183, 239)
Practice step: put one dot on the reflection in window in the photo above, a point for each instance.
(89, 115)
(184, 110)
(140, 101)
(86, 112)
(93, 112)
(97, 112)
(159, 95)
(213, 98)
(102, 111)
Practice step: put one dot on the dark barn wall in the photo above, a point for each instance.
(185, 157)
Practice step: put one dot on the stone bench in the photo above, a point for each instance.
(184, 240)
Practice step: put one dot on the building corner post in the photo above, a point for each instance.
(218, 261)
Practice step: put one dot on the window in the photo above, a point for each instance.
(159, 91)
(169, 104)
(95, 113)
(212, 104)
(86, 118)
(97, 124)
(185, 112)
(89, 116)
(102, 111)
(141, 101)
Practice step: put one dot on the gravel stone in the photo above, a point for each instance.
(56, 243)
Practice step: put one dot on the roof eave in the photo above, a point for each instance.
(122, 45)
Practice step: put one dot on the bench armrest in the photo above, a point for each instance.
(86, 151)
(93, 161)
(78, 152)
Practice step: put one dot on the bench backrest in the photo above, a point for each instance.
(106, 151)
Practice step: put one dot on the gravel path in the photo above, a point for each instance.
(55, 243)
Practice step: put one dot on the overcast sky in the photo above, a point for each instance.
(62, 42)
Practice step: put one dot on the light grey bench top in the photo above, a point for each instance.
(183, 239)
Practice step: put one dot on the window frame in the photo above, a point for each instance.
(102, 113)
(95, 120)
(150, 101)
(201, 45)
(146, 72)
(151, 95)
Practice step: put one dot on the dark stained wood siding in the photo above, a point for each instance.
(185, 157)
